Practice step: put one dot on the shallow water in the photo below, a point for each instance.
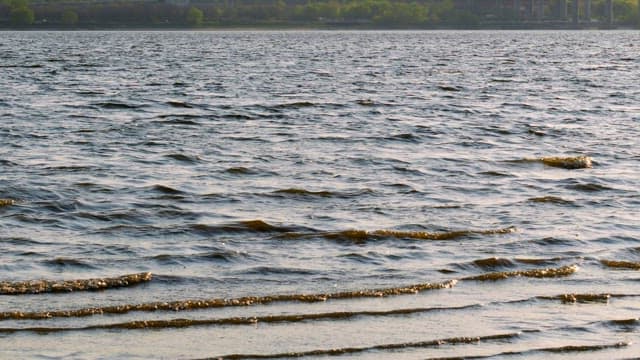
(403, 195)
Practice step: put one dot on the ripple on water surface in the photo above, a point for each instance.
(285, 187)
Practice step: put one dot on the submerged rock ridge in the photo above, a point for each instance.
(51, 286)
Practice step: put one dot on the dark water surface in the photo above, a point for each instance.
(355, 194)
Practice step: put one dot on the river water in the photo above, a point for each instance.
(249, 194)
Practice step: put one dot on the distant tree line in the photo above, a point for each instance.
(17, 12)
(348, 13)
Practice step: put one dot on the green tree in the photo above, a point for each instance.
(22, 16)
(15, 4)
(69, 17)
(401, 14)
(281, 9)
(328, 10)
(358, 10)
(442, 11)
(195, 16)
(625, 11)
(214, 13)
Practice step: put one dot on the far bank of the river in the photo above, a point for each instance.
(321, 14)
(313, 26)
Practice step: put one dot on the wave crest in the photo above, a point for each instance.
(533, 273)
(7, 202)
(49, 286)
(575, 162)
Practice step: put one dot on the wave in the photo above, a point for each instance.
(496, 174)
(450, 235)
(559, 349)
(533, 273)
(553, 241)
(114, 105)
(182, 305)
(621, 264)
(239, 170)
(253, 226)
(166, 189)
(567, 162)
(303, 192)
(539, 261)
(188, 305)
(551, 200)
(179, 104)
(72, 168)
(382, 347)
(450, 88)
(492, 263)
(176, 120)
(306, 194)
(624, 322)
(268, 319)
(407, 137)
(579, 298)
(249, 226)
(294, 105)
(576, 162)
(21, 241)
(49, 286)
(360, 236)
(28, 66)
(212, 256)
(574, 298)
(7, 202)
(276, 270)
(178, 117)
(183, 158)
(239, 117)
(64, 262)
(589, 187)
(5, 162)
